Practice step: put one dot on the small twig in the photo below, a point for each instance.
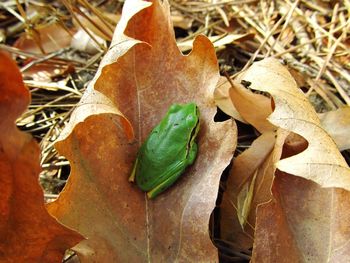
(42, 59)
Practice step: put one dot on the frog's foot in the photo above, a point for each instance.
(132, 176)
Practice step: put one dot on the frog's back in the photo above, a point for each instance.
(167, 145)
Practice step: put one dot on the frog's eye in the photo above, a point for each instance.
(174, 108)
(191, 120)
(189, 117)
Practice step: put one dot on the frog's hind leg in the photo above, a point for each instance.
(168, 182)
(164, 185)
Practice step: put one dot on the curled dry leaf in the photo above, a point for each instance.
(223, 100)
(293, 223)
(23, 214)
(321, 162)
(256, 162)
(303, 220)
(254, 108)
(143, 73)
(243, 105)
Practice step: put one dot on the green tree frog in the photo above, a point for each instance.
(168, 150)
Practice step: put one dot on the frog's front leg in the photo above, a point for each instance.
(133, 172)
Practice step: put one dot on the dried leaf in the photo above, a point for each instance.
(259, 159)
(144, 73)
(244, 201)
(28, 233)
(51, 37)
(243, 105)
(321, 162)
(254, 108)
(223, 100)
(337, 124)
(303, 223)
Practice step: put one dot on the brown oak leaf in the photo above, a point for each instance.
(142, 74)
(28, 233)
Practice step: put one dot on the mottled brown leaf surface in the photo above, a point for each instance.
(28, 233)
(303, 223)
(142, 74)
